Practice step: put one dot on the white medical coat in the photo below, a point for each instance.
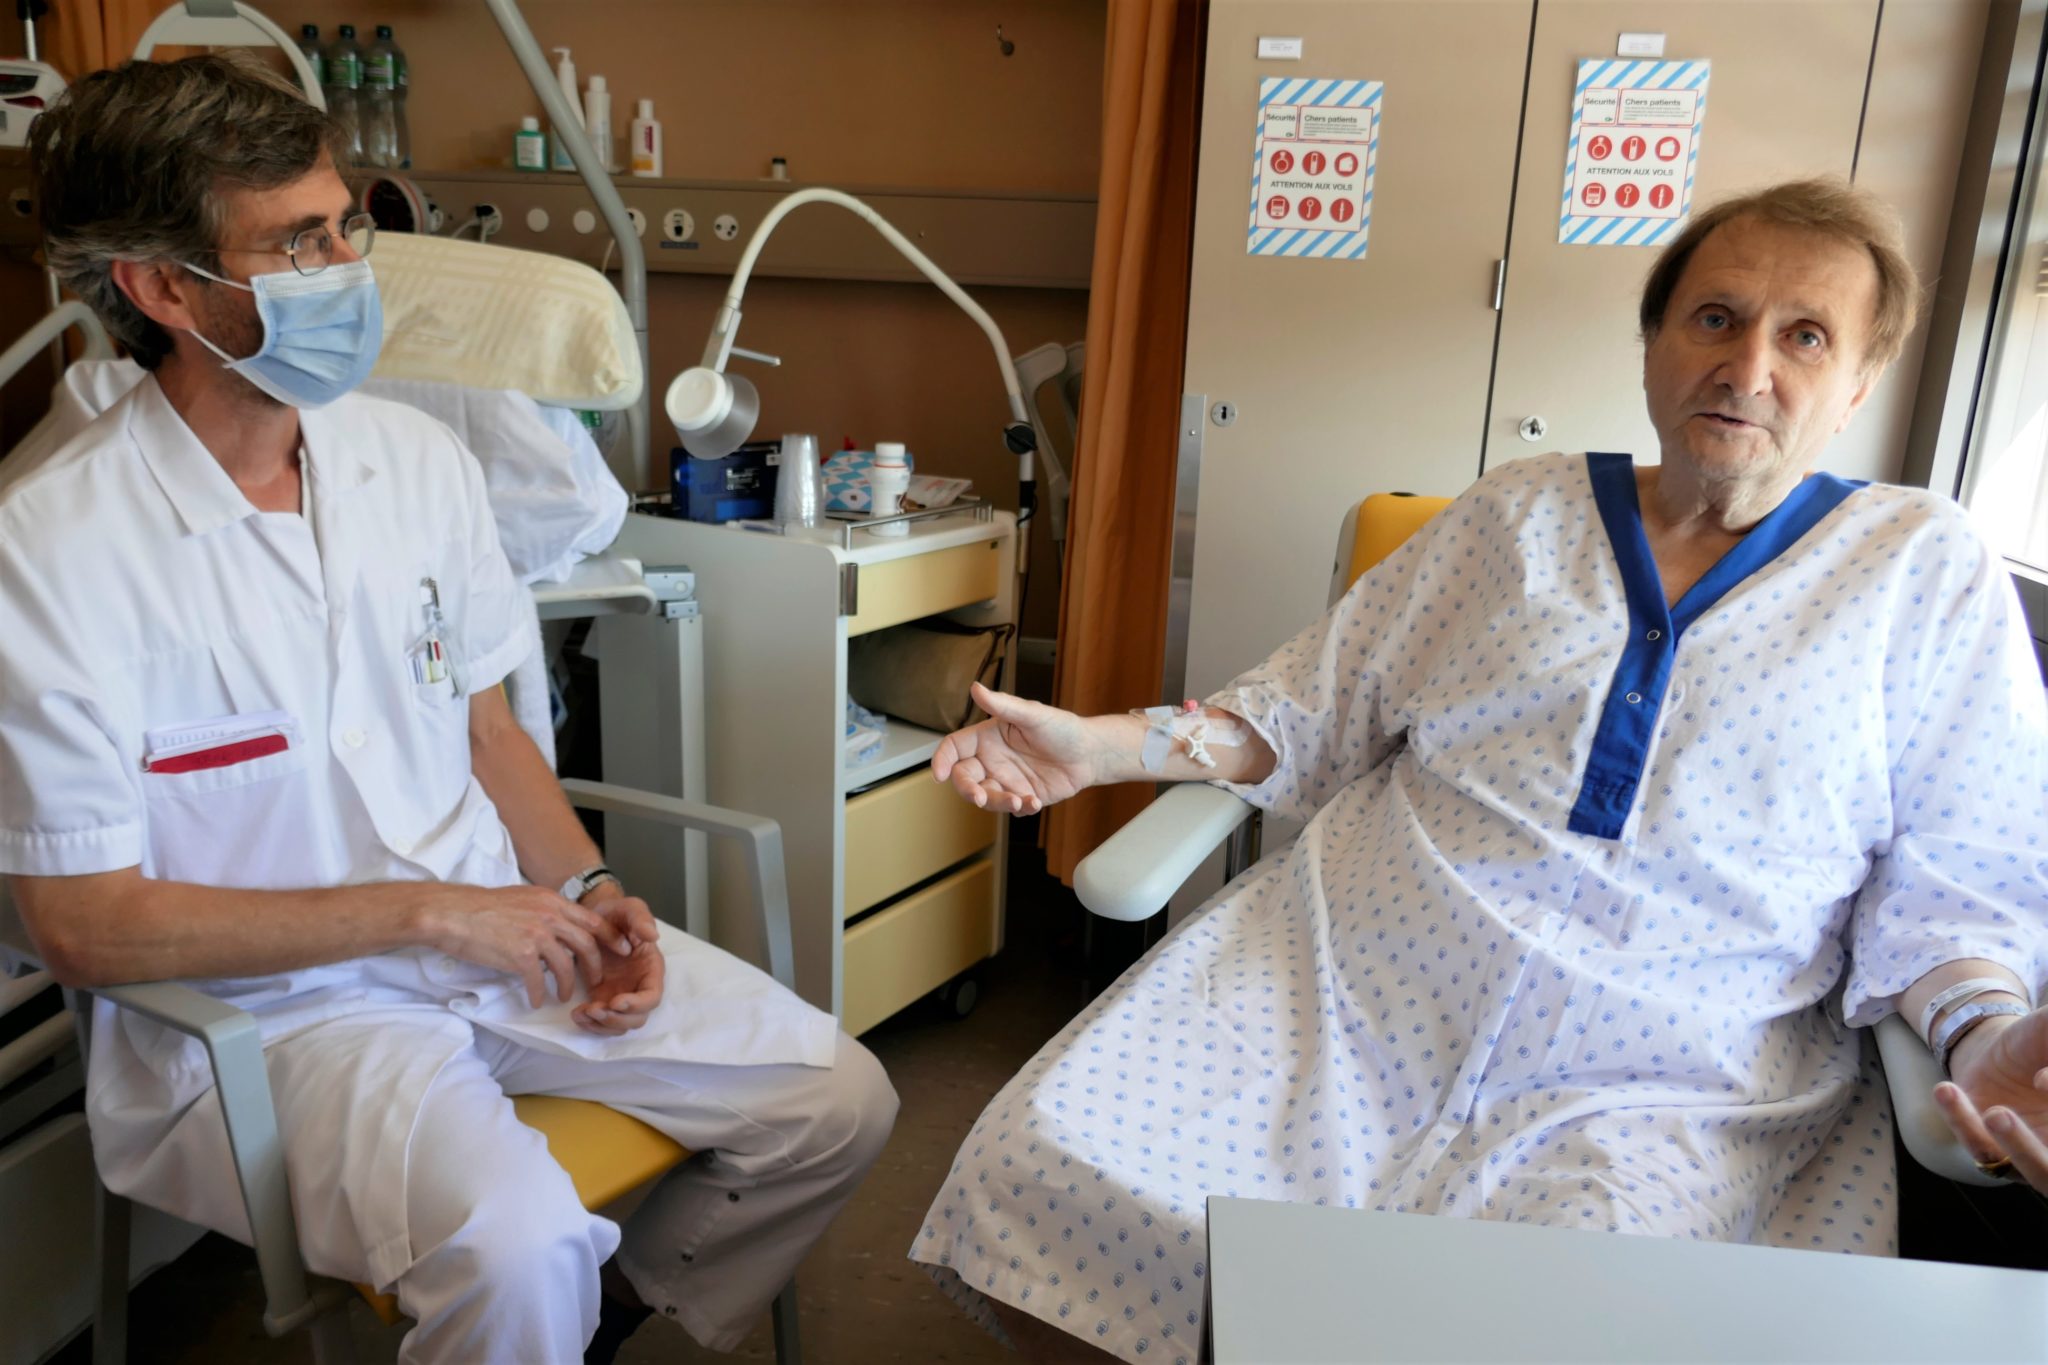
(139, 590)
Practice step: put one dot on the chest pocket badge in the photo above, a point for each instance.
(429, 658)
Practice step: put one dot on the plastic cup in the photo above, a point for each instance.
(799, 496)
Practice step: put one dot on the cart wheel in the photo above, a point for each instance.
(961, 995)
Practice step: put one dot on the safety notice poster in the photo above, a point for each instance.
(1312, 157)
(1634, 146)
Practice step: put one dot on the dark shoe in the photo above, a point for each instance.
(615, 1322)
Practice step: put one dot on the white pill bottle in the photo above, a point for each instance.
(888, 481)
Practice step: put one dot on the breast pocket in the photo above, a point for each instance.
(248, 823)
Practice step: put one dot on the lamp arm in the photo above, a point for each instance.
(725, 328)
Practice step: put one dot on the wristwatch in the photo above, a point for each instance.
(585, 882)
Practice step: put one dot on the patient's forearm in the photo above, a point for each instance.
(117, 927)
(1122, 740)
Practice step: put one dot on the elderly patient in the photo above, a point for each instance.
(1626, 788)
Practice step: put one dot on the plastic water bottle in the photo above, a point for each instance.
(309, 48)
(380, 81)
(384, 69)
(344, 77)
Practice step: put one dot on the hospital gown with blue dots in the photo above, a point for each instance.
(1591, 896)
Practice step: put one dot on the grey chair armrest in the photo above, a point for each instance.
(1911, 1074)
(759, 837)
(234, 1047)
(1136, 870)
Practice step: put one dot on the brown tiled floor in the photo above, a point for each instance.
(862, 1301)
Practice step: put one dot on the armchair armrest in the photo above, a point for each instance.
(234, 1047)
(1911, 1075)
(759, 837)
(1137, 869)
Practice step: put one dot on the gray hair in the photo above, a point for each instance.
(130, 165)
(1833, 208)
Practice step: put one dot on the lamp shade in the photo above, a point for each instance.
(713, 412)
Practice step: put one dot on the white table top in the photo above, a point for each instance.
(1291, 1284)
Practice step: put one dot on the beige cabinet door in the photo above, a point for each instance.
(1343, 377)
(1784, 100)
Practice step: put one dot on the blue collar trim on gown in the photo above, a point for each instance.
(1628, 718)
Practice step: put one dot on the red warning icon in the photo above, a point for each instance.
(1660, 196)
(1625, 196)
(1341, 210)
(1667, 149)
(1314, 162)
(1600, 147)
(1277, 206)
(1593, 196)
(1311, 207)
(1283, 161)
(1632, 148)
(1347, 164)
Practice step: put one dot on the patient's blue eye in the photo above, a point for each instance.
(1713, 322)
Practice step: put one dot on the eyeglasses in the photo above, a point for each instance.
(312, 249)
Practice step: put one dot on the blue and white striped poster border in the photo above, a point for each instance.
(1625, 74)
(1304, 243)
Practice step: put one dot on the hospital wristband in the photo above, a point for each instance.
(1964, 1019)
(1959, 994)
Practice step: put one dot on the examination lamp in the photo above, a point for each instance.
(714, 412)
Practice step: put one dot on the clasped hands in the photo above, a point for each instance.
(610, 942)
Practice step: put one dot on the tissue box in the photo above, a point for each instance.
(742, 485)
(845, 479)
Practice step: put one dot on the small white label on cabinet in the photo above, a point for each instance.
(1279, 49)
(1640, 45)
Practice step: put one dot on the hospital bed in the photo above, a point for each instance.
(557, 506)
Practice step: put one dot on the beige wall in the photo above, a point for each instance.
(869, 92)
(911, 93)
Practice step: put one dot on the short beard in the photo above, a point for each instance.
(239, 333)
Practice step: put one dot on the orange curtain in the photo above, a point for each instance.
(1113, 598)
(79, 36)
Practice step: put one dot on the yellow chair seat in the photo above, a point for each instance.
(607, 1154)
(1384, 521)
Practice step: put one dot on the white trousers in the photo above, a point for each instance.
(505, 1260)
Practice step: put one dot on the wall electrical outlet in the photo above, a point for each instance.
(726, 227)
(678, 225)
(639, 222)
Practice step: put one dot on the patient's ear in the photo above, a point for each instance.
(162, 290)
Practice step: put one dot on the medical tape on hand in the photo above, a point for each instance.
(1188, 726)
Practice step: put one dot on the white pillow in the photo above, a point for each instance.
(494, 317)
(551, 494)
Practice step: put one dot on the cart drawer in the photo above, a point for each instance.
(914, 947)
(905, 831)
(899, 590)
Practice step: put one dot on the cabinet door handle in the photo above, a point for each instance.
(849, 589)
(1500, 282)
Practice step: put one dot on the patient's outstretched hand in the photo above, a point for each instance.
(1998, 1100)
(1023, 758)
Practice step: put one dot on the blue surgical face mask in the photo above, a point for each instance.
(321, 333)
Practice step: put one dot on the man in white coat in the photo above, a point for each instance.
(251, 631)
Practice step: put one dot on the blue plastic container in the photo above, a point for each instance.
(740, 486)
